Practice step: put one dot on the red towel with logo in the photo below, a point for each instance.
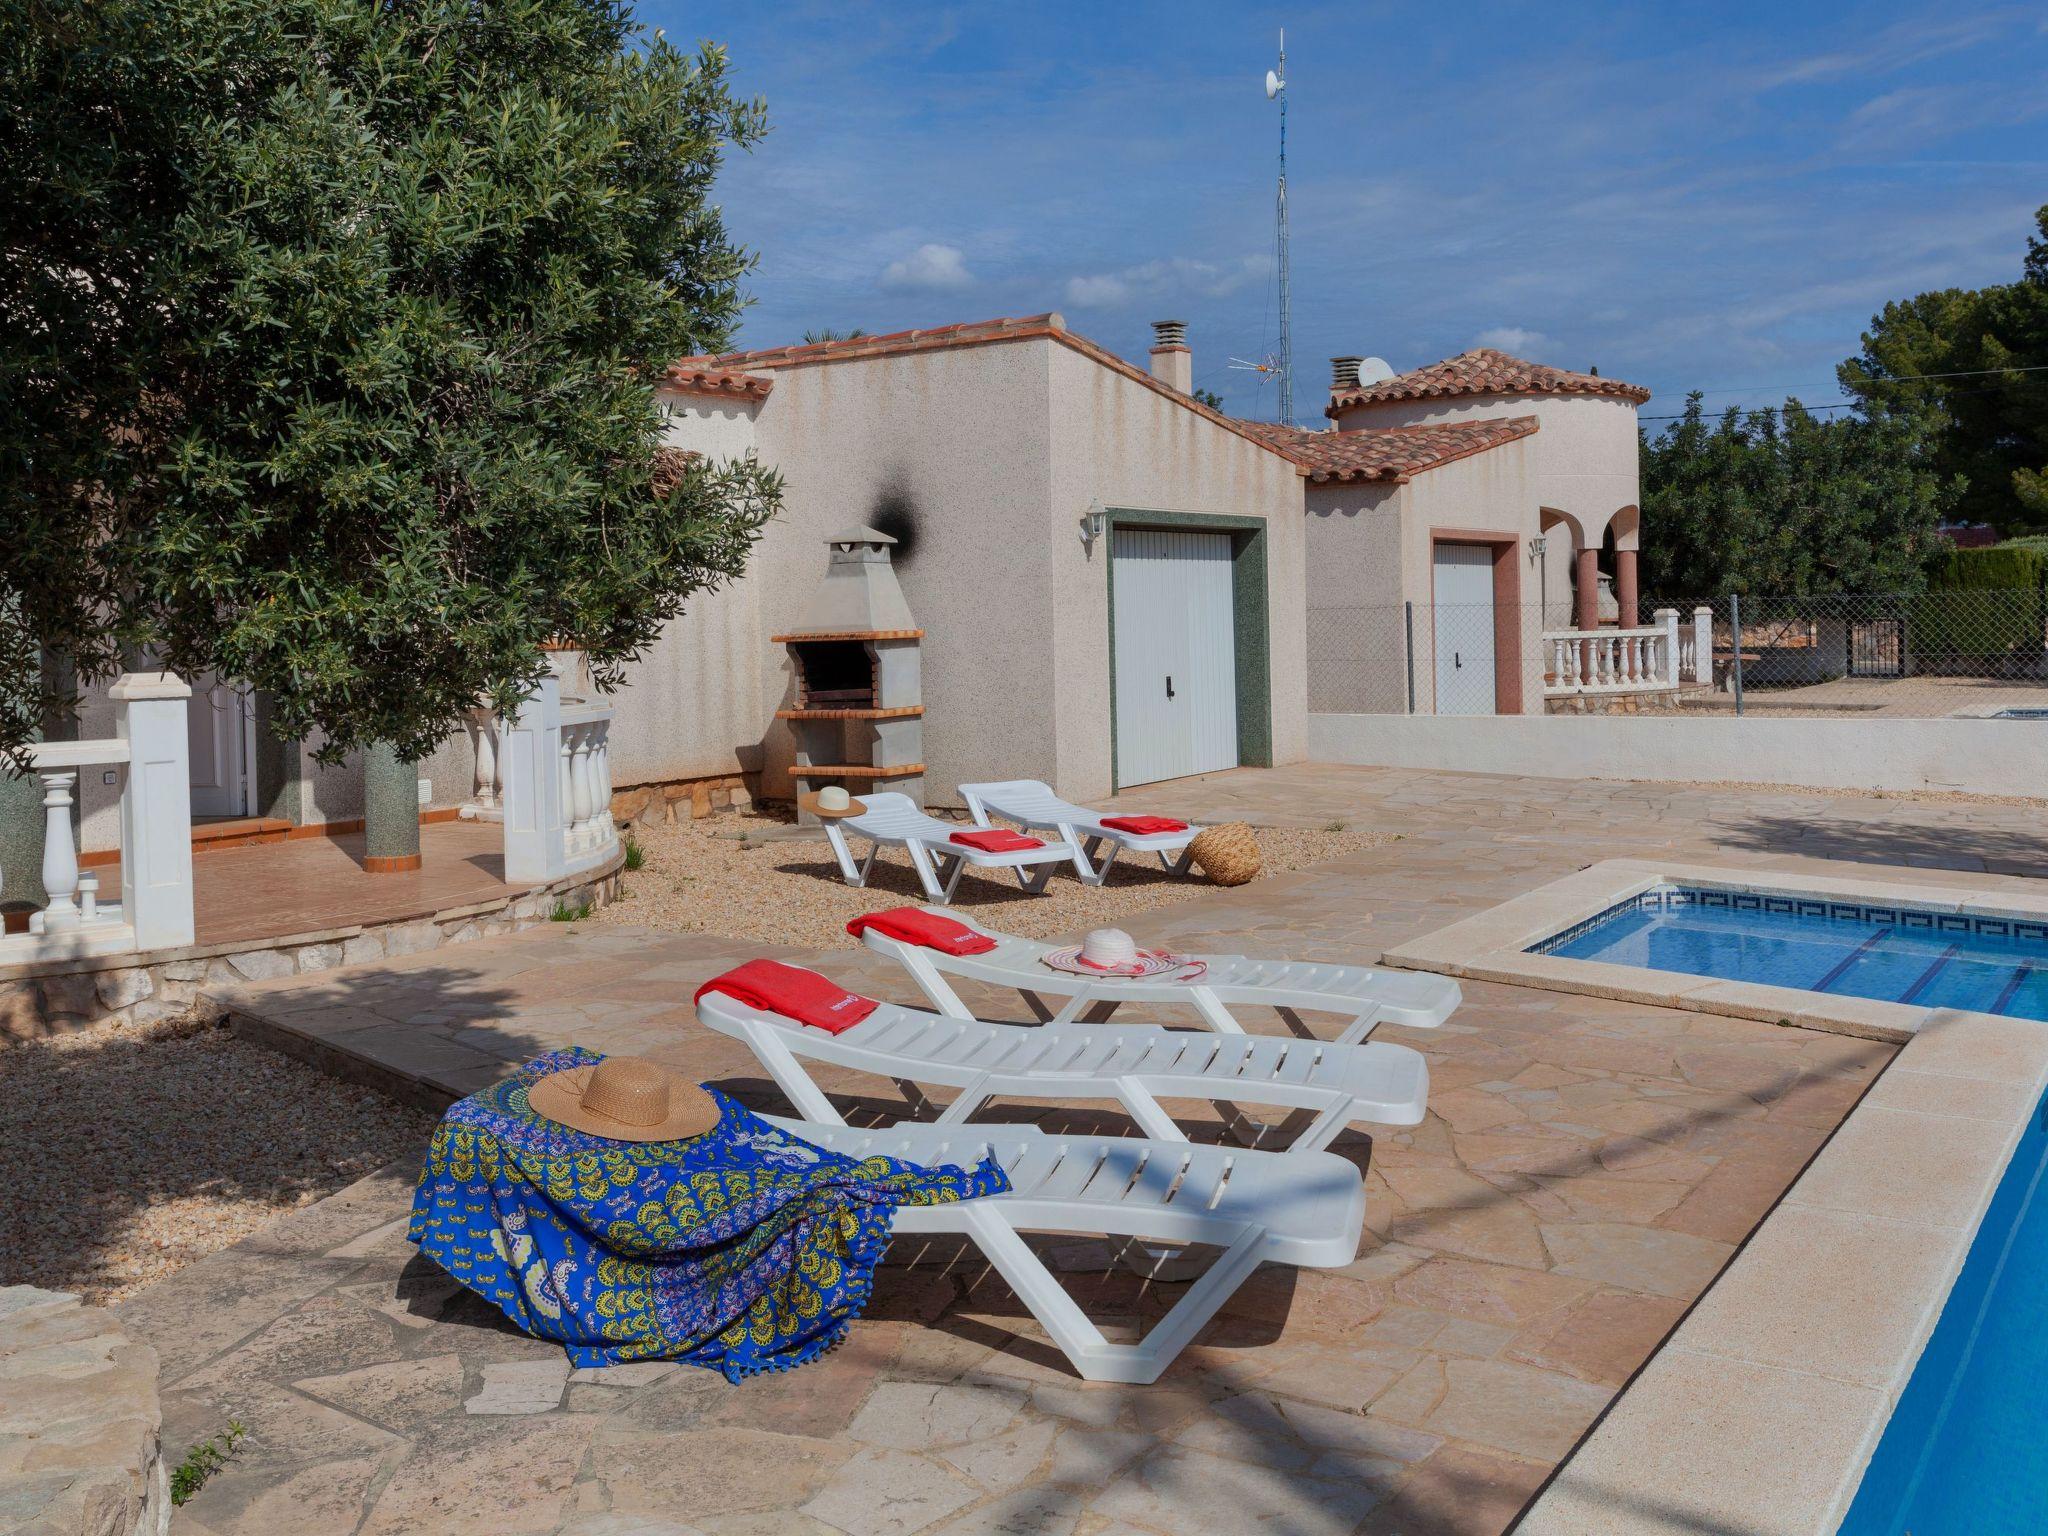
(789, 989)
(997, 840)
(1144, 826)
(915, 926)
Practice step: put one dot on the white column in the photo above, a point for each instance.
(1703, 644)
(530, 762)
(156, 808)
(577, 744)
(1667, 620)
(484, 725)
(601, 765)
(60, 853)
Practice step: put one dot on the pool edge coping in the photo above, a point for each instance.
(1747, 1416)
(1494, 945)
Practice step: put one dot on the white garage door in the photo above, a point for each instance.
(1176, 655)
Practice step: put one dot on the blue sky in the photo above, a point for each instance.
(1686, 196)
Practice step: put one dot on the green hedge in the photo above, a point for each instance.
(1983, 610)
(2004, 567)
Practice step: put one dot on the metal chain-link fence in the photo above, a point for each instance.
(1926, 655)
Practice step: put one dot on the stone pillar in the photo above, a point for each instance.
(1625, 586)
(1588, 610)
(1667, 620)
(1703, 645)
(529, 759)
(156, 807)
(391, 810)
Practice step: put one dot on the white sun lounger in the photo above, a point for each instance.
(893, 818)
(1368, 995)
(1033, 804)
(1137, 1065)
(1304, 1209)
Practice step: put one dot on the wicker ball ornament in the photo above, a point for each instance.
(1228, 855)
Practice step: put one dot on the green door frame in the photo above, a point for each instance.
(1249, 619)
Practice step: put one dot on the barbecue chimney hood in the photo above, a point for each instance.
(858, 708)
(859, 595)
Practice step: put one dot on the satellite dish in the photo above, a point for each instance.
(1374, 370)
(1274, 85)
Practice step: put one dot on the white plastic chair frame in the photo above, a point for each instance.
(1134, 1065)
(1367, 996)
(894, 819)
(1306, 1209)
(1031, 803)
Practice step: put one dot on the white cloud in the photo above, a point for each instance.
(1165, 277)
(1103, 291)
(1512, 338)
(932, 268)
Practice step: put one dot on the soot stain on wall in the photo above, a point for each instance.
(895, 513)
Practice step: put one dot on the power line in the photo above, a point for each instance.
(1850, 405)
(1903, 378)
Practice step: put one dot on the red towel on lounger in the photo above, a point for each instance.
(997, 840)
(1144, 826)
(788, 989)
(914, 926)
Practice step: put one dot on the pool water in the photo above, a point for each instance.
(1852, 949)
(1966, 1450)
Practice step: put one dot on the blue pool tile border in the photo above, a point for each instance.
(1914, 919)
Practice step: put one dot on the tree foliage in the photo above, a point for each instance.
(329, 332)
(1787, 503)
(1988, 422)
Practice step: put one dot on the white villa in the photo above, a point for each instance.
(1108, 584)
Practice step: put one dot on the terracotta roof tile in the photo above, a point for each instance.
(703, 376)
(1051, 326)
(1484, 371)
(1391, 454)
(1007, 329)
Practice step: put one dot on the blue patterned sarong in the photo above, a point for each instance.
(743, 1249)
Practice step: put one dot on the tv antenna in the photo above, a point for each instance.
(1276, 89)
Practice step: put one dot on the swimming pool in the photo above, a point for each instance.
(1964, 1450)
(1898, 954)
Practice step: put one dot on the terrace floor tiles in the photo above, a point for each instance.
(1526, 1254)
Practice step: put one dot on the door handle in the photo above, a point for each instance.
(1457, 661)
(1169, 685)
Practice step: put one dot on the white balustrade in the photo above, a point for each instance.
(490, 786)
(155, 907)
(557, 787)
(1611, 661)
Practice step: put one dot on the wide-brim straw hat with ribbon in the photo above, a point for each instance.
(626, 1098)
(812, 803)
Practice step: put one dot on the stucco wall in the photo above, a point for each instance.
(1583, 460)
(1370, 551)
(1120, 442)
(1986, 757)
(1356, 630)
(951, 445)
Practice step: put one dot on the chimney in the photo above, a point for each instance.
(1172, 363)
(1344, 373)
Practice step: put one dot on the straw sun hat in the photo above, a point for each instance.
(831, 801)
(627, 1098)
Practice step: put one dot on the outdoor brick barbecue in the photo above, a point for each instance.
(858, 715)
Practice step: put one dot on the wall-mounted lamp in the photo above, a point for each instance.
(1537, 546)
(1094, 523)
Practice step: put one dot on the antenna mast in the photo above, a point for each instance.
(1276, 85)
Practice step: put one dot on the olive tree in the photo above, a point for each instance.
(329, 333)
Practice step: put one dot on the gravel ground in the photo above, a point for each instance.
(744, 876)
(130, 1153)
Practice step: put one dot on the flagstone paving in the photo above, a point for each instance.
(1586, 1169)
